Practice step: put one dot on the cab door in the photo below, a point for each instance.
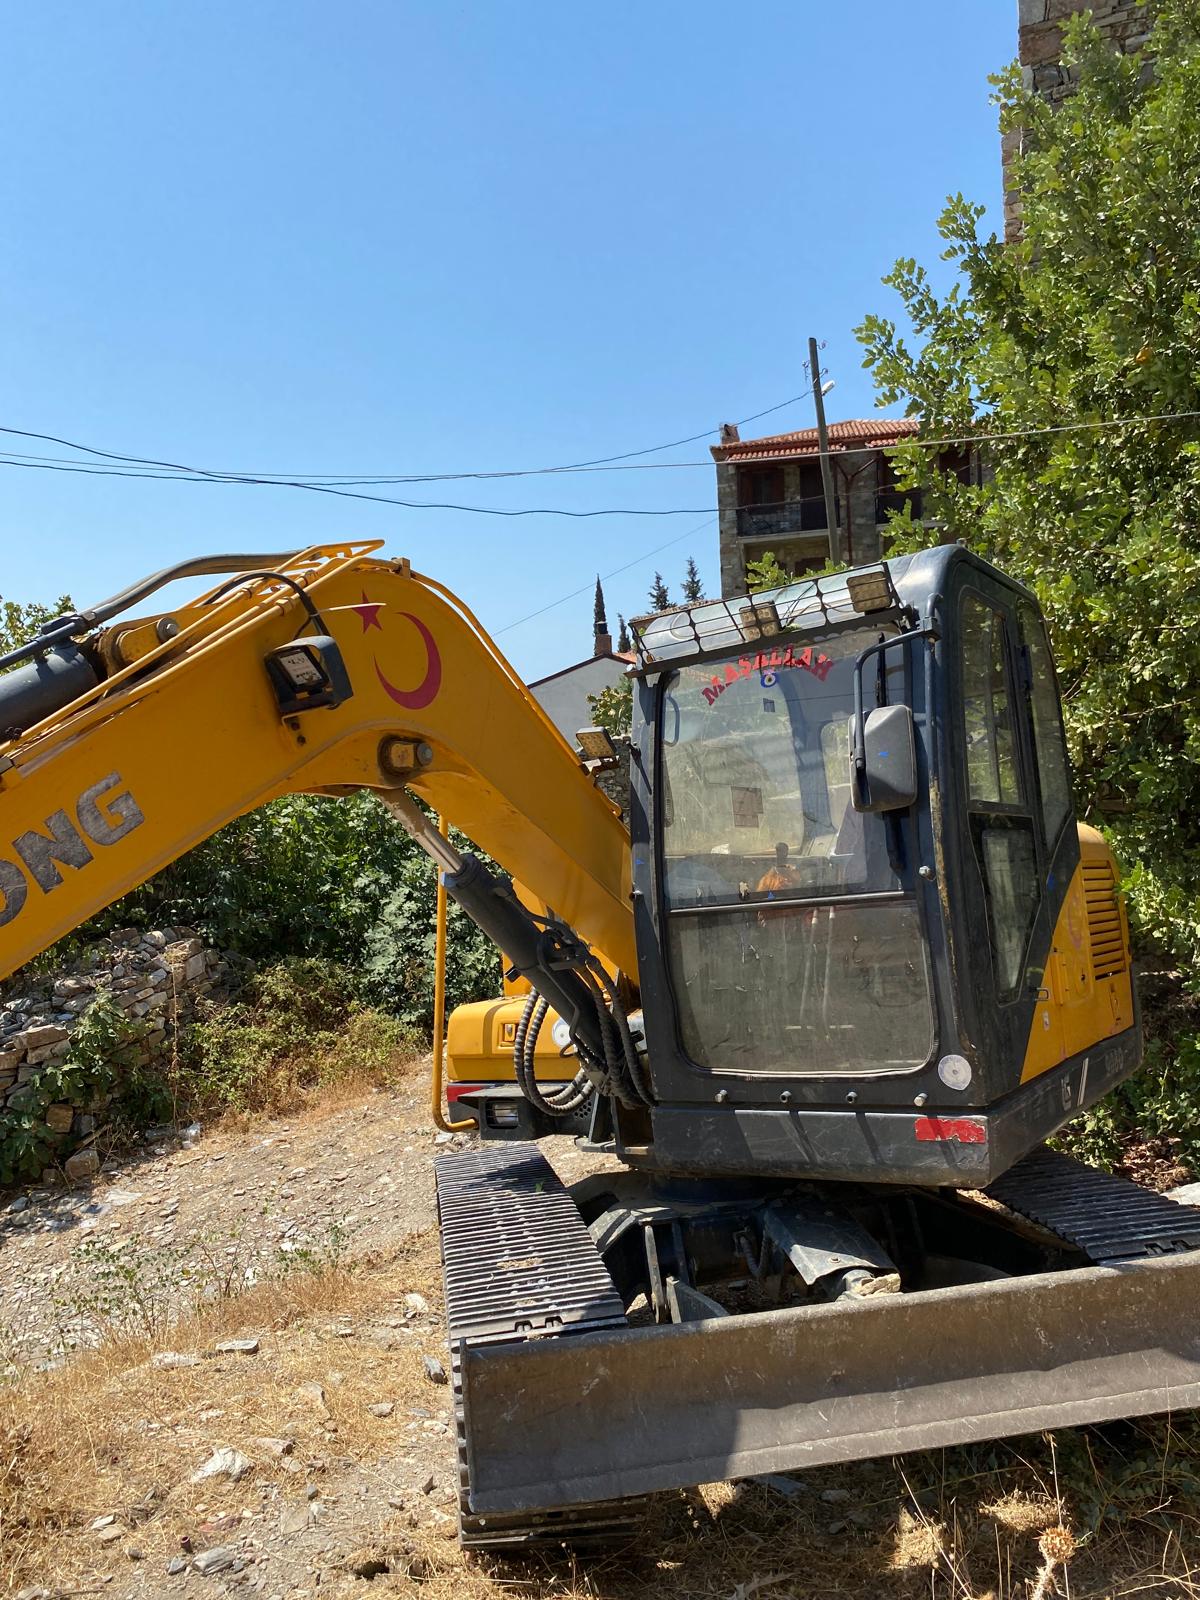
(1013, 802)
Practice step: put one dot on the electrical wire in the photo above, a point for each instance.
(290, 478)
(377, 499)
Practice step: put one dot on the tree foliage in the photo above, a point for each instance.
(1070, 338)
(331, 879)
(659, 597)
(612, 708)
(693, 585)
(765, 572)
(19, 623)
(599, 620)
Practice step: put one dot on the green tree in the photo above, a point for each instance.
(19, 623)
(624, 643)
(693, 587)
(612, 708)
(764, 572)
(1070, 339)
(660, 600)
(599, 620)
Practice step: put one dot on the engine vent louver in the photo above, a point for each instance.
(1106, 930)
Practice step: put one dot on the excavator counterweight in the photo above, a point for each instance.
(818, 1002)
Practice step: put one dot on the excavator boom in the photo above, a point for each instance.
(186, 730)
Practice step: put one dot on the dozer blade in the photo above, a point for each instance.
(603, 1414)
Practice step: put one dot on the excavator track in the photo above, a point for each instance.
(1109, 1219)
(518, 1263)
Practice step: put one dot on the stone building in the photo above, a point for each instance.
(770, 497)
(1039, 47)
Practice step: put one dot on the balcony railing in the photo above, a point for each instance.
(895, 500)
(788, 516)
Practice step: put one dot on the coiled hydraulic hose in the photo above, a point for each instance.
(557, 1102)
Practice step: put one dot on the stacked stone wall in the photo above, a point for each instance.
(1039, 46)
(156, 980)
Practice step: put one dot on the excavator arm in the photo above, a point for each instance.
(329, 671)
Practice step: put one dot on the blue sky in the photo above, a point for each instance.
(298, 237)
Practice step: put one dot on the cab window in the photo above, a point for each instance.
(1053, 772)
(999, 813)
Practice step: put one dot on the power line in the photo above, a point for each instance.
(93, 471)
(12, 458)
(292, 478)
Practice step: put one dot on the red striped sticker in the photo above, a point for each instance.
(964, 1130)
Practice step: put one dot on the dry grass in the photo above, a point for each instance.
(114, 1433)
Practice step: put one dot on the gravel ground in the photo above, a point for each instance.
(227, 1207)
(366, 1465)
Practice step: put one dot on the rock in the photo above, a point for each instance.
(434, 1370)
(175, 1566)
(314, 1393)
(111, 1535)
(416, 1303)
(82, 1165)
(134, 1553)
(19, 1204)
(294, 1519)
(1187, 1194)
(218, 1559)
(39, 1038)
(428, 1484)
(59, 1117)
(382, 1408)
(835, 1497)
(168, 1359)
(443, 1138)
(224, 1463)
(238, 1347)
(103, 1522)
(836, 1527)
(782, 1484)
(278, 1448)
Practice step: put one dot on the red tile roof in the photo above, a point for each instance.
(864, 433)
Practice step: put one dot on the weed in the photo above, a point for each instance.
(299, 1027)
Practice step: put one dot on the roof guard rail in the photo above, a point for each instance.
(820, 602)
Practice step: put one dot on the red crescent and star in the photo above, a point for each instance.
(413, 699)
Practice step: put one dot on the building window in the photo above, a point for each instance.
(760, 486)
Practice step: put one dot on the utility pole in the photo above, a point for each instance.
(835, 533)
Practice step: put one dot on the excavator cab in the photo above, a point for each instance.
(873, 944)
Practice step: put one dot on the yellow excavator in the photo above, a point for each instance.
(819, 1003)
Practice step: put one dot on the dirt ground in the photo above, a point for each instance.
(327, 1435)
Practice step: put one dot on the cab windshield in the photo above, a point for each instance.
(775, 966)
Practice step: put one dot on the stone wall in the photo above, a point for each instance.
(614, 781)
(1039, 48)
(155, 979)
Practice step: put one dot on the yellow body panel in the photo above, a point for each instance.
(190, 735)
(1087, 993)
(479, 1044)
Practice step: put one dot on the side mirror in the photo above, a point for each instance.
(883, 759)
